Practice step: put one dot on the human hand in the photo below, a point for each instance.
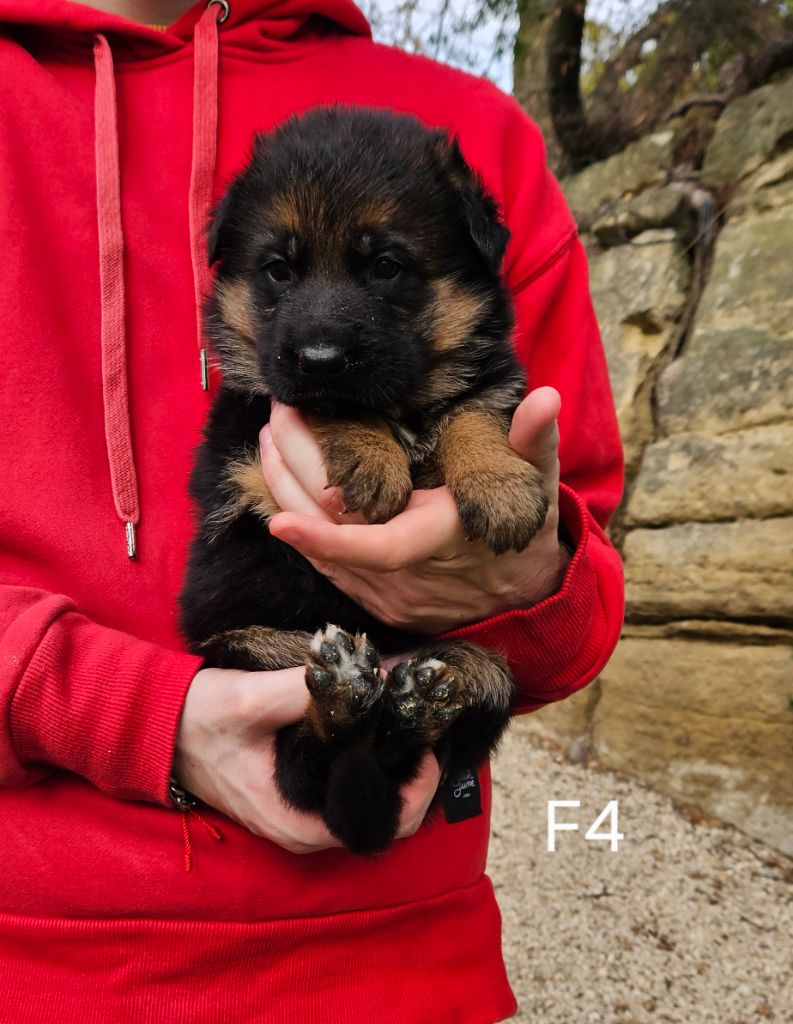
(225, 755)
(417, 572)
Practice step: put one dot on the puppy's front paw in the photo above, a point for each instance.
(425, 696)
(343, 679)
(371, 481)
(503, 504)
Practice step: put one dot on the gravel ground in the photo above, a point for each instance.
(688, 922)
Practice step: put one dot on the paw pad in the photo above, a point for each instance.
(426, 696)
(342, 675)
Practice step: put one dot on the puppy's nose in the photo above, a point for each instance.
(321, 358)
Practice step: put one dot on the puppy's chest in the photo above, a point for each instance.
(420, 447)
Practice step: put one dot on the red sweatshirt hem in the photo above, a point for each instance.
(437, 960)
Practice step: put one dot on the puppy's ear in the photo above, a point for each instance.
(479, 208)
(224, 224)
(220, 227)
(490, 235)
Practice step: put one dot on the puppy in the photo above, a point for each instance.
(359, 281)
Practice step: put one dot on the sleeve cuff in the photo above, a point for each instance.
(557, 646)
(104, 705)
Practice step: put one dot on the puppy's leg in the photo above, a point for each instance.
(244, 489)
(367, 463)
(255, 648)
(343, 677)
(499, 495)
(328, 762)
(452, 695)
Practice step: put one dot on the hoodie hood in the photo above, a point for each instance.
(255, 26)
(244, 26)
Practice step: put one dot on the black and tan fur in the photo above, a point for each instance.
(358, 280)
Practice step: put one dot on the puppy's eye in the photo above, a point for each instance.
(278, 271)
(385, 269)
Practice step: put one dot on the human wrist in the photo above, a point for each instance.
(545, 579)
(209, 701)
(227, 714)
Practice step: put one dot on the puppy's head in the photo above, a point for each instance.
(358, 255)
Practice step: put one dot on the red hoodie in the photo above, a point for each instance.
(111, 155)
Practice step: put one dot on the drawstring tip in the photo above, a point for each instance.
(188, 804)
(132, 548)
(202, 357)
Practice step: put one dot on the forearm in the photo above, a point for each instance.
(86, 698)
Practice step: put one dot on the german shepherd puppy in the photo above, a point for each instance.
(359, 281)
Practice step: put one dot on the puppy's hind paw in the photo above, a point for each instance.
(425, 696)
(342, 675)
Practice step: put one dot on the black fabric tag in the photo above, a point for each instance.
(462, 798)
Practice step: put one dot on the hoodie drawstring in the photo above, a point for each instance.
(115, 389)
(115, 392)
(202, 171)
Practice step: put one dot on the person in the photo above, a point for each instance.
(120, 124)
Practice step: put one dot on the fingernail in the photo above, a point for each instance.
(265, 437)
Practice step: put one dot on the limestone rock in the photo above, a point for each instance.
(706, 723)
(639, 291)
(748, 473)
(739, 570)
(749, 132)
(653, 208)
(643, 163)
(737, 368)
(565, 722)
(695, 700)
(769, 188)
(711, 629)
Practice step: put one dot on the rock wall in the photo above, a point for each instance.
(692, 280)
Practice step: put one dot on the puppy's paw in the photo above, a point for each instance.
(503, 504)
(425, 696)
(372, 481)
(343, 679)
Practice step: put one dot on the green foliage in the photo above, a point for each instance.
(599, 42)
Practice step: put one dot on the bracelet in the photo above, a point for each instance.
(180, 797)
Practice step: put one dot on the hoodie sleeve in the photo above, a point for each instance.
(559, 645)
(56, 668)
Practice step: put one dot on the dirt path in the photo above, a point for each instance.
(689, 923)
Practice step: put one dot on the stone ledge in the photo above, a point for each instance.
(736, 370)
(641, 164)
(706, 723)
(739, 570)
(694, 477)
(639, 291)
(748, 133)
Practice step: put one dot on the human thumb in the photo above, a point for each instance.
(534, 433)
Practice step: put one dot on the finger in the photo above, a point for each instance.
(418, 794)
(300, 833)
(534, 433)
(299, 449)
(273, 699)
(369, 590)
(296, 830)
(304, 833)
(421, 531)
(283, 484)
